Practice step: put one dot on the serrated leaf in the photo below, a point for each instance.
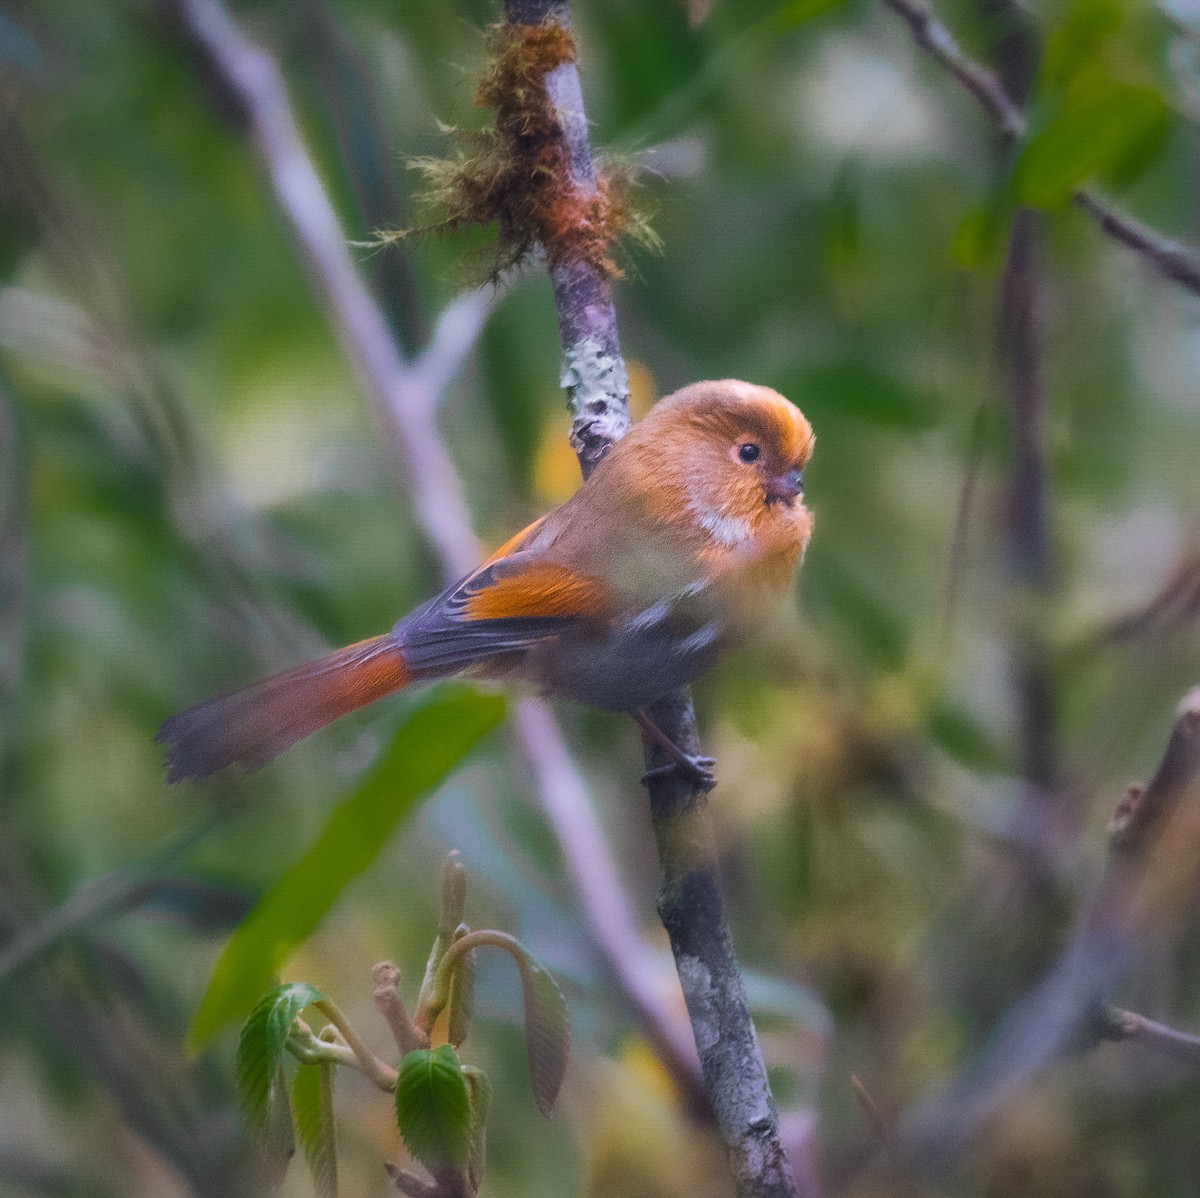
(433, 1107)
(312, 1108)
(433, 739)
(547, 1034)
(462, 1000)
(479, 1090)
(1104, 129)
(259, 1066)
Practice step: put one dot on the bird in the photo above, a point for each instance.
(684, 536)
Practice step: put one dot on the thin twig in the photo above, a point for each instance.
(380, 1072)
(1173, 260)
(690, 901)
(406, 409)
(1176, 261)
(1137, 1029)
(881, 1130)
(936, 39)
(1176, 601)
(1148, 880)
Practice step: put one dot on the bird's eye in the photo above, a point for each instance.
(749, 452)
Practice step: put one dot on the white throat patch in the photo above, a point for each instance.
(725, 530)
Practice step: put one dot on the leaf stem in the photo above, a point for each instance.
(379, 1072)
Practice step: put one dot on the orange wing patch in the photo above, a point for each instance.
(541, 589)
(513, 543)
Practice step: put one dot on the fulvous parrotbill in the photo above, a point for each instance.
(684, 536)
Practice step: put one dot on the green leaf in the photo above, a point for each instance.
(980, 239)
(259, 1066)
(1104, 129)
(479, 1090)
(798, 12)
(433, 1107)
(547, 1034)
(433, 739)
(855, 388)
(312, 1105)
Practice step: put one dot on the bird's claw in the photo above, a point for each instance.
(696, 770)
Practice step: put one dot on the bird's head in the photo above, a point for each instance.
(733, 454)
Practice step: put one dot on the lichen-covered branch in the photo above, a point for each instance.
(690, 902)
(405, 396)
(593, 367)
(1174, 261)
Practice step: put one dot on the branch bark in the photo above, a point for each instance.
(1171, 259)
(690, 901)
(405, 398)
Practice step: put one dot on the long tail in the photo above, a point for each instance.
(254, 725)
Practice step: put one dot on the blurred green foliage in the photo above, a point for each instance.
(193, 493)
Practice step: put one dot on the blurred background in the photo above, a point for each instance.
(997, 618)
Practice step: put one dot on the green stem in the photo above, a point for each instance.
(439, 993)
(380, 1072)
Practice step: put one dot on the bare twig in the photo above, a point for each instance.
(1170, 258)
(1029, 514)
(405, 403)
(380, 1072)
(254, 84)
(936, 39)
(1128, 1026)
(1176, 601)
(690, 901)
(881, 1130)
(1175, 261)
(1149, 879)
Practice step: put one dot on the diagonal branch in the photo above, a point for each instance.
(1176, 261)
(1147, 883)
(936, 40)
(1179, 263)
(1128, 1026)
(690, 901)
(405, 397)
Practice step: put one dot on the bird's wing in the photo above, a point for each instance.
(515, 600)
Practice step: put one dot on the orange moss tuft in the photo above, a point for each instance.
(516, 174)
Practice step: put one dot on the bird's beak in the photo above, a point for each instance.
(785, 487)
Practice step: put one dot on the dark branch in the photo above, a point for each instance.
(1148, 882)
(1179, 263)
(936, 40)
(1029, 494)
(690, 902)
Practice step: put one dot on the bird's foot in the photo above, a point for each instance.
(696, 770)
(690, 767)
